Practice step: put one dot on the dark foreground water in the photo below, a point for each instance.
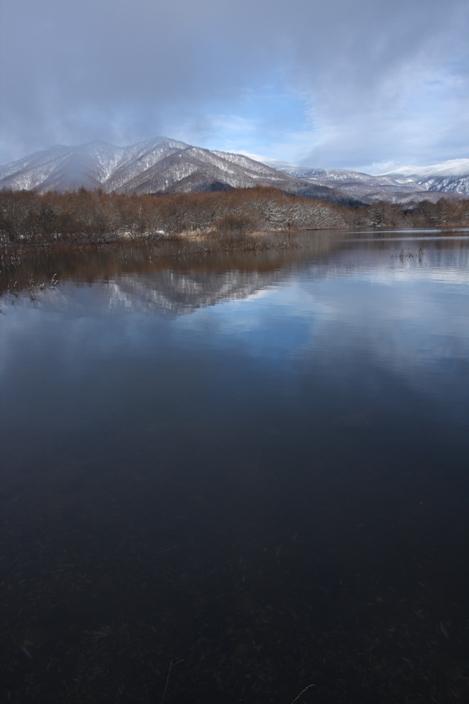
(231, 478)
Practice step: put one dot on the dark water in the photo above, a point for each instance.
(228, 478)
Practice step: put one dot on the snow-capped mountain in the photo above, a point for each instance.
(165, 165)
(157, 166)
(394, 187)
(62, 168)
(450, 176)
(451, 167)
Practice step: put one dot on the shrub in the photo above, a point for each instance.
(234, 224)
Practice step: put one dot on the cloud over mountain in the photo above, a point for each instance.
(376, 81)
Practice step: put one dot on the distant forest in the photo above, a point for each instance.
(97, 216)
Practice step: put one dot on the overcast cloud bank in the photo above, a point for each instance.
(367, 84)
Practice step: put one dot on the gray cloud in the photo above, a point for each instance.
(382, 81)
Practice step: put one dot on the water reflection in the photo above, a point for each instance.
(143, 276)
(253, 465)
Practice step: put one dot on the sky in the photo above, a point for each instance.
(364, 84)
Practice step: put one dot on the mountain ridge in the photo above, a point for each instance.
(165, 165)
(400, 186)
(160, 165)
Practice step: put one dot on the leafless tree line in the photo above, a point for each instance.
(97, 216)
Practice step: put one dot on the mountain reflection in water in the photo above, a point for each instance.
(230, 476)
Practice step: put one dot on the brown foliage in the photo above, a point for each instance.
(97, 216)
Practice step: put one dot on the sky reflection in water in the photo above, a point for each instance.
(288, 436)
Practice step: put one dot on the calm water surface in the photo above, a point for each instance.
(227, 478)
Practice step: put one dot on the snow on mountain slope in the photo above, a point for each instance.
(358, 185)
(167, 165)
(29, 172)
(154, 166)
(192, 168)
(448, 177)
(398, 187)
(257, 168)
(140, 157)
(448, 185)
(452, 167)
(158, 165)
(332, 175)
(62, 168)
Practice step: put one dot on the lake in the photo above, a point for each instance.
(236, 477)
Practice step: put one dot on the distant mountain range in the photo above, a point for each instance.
(165, 165)
(447, 179)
